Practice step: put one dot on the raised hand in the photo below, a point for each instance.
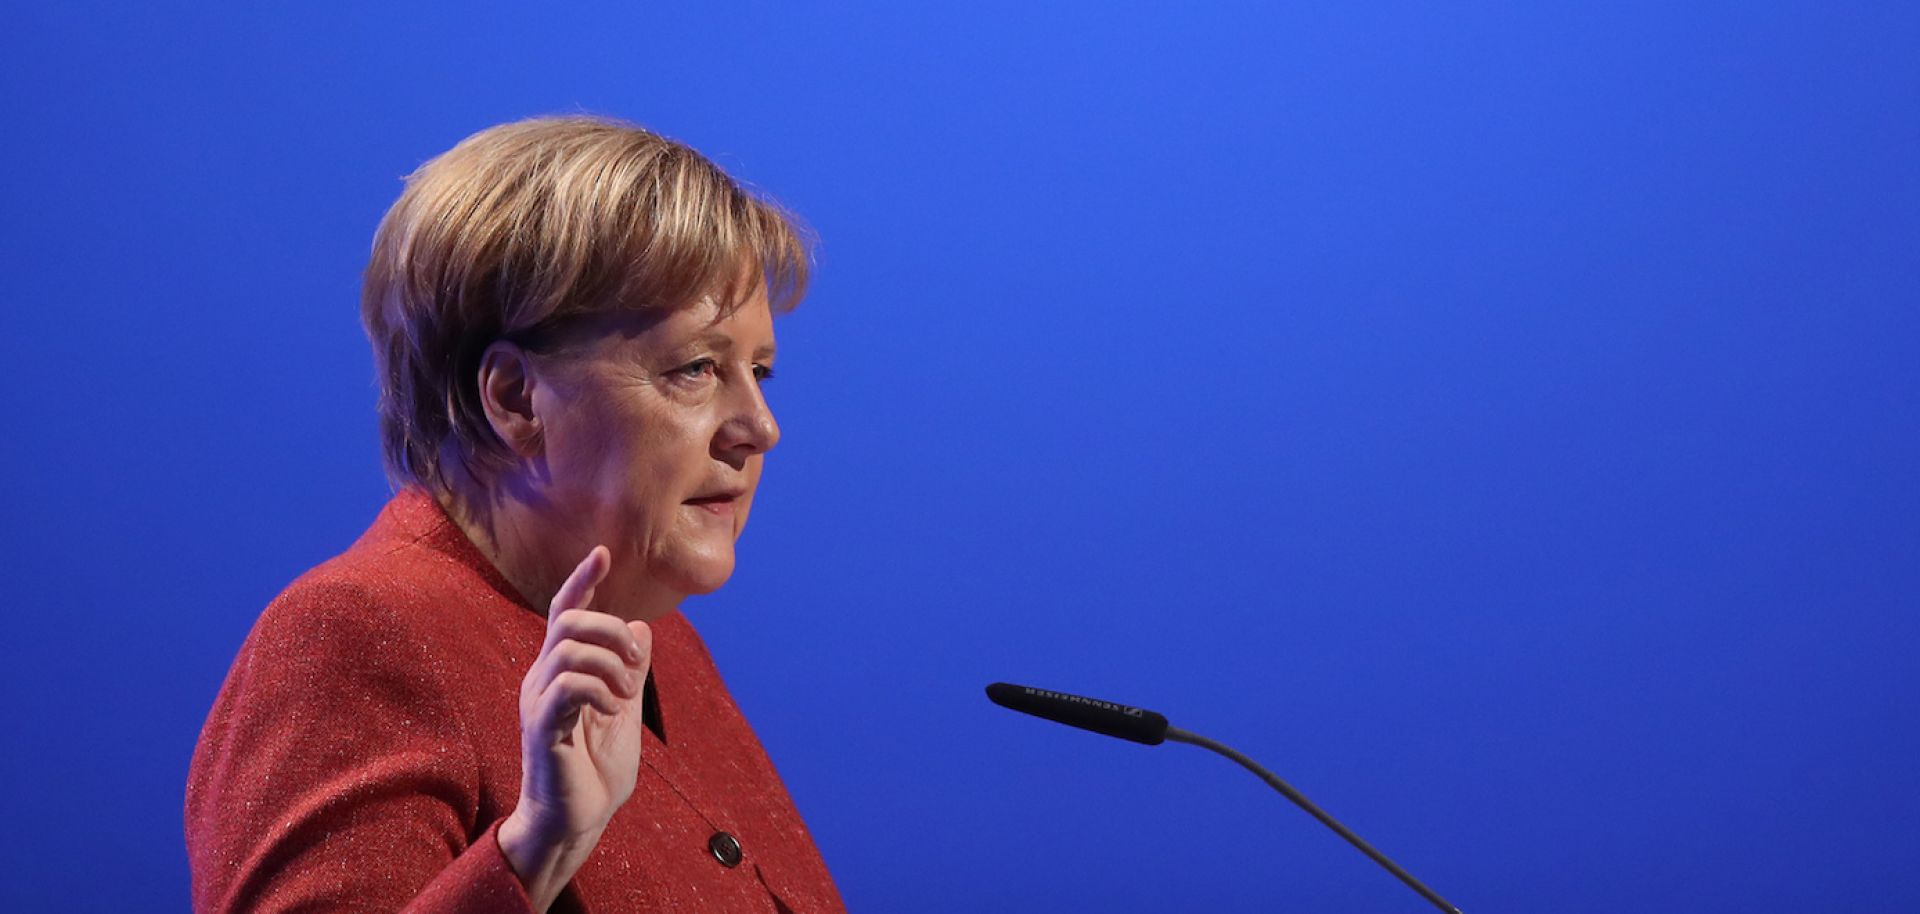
(580, 732)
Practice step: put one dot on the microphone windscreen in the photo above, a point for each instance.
(1123, 721)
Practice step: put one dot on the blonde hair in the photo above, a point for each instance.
(527, 224)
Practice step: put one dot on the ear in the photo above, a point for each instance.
(507, 380)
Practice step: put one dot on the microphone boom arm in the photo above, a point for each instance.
(1178, 735)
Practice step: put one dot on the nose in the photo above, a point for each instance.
(748, 428)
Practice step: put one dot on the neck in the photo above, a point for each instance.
(518, 530)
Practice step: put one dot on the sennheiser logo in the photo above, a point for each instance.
(1091, 702)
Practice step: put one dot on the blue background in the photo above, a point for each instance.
(1502, 419)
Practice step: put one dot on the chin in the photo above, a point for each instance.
(701, 576)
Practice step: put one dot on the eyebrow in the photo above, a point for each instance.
(714, 339)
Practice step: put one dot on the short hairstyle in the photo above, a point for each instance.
(526, 224)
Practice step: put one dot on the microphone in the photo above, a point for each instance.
(1136, 724)
(1150, 728)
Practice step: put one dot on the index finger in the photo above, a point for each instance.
(577, 591)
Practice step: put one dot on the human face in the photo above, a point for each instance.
(652, 438)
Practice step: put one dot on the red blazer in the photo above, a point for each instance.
(366, 744)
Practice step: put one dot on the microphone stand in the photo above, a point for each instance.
(1286, 790)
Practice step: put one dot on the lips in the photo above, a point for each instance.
(717, 502)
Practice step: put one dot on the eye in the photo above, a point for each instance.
(763, 373)
(698, 369)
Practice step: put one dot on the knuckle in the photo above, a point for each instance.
(578, 655)
(566, 654)
(575, 688)
(576, 622)
(572, 688)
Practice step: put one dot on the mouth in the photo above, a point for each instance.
(717, 503)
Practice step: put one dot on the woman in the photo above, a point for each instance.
(490, 702)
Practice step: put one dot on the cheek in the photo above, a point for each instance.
(664, 459)
(577, 455)
(607, 456)
(753, 490)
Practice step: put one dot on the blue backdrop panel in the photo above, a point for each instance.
(1501, 419)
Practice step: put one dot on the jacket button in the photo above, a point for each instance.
(726, 849)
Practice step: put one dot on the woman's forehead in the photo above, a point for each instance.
(746, 329)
